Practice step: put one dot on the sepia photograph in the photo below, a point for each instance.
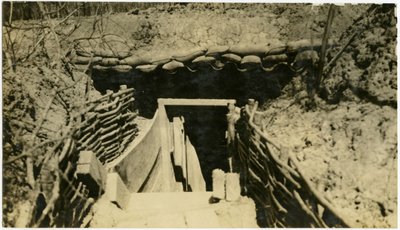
(199, 115)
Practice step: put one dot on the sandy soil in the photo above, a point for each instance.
(175, 210)
(349, 152)
(347, 144)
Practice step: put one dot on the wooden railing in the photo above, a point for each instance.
(285, 194)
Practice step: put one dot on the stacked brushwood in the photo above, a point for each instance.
(106, 127)
(243, 56)
(110, 126)
(286, 196)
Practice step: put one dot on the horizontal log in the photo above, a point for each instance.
(106, 122)
(129, 132)
(110, 134)
(90, 139)
(129, 116)
(100, 152)
(111, 158)
(106, 106)
(195, 102)
(96, 102)
(90, 128)
(107, 115)
(108, 128)
(125, 98)
(127, 124)
(125, 92)
(127, 104)
(95, 146)
(84, 137)
(109, 142)
(112, 147)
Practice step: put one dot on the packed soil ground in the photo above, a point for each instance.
(347, 145)
(347, 142)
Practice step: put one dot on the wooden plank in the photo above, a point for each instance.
(184, 154)
(232, 186)
(178, 144)
(195, 177)
(218, 182)
(138, 159)
(195, 102)
(116, 190)
(91, 172)
(171, 137)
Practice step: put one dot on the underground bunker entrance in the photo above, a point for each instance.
(205, 127)
(205, 83)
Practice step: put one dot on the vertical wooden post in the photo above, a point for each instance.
(232, 117)
(230, 134)
(328, 28)
(250, 103)
(232, 186)
(250, 106)
(218, 184)
(121, 123)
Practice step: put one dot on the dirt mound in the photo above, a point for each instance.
(351, 134)
(369, 65)
(348, 143)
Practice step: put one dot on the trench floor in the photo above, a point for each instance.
(176, 210)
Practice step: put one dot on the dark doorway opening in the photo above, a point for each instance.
(205, 127)
(205, 83)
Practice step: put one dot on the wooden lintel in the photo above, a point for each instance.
(195, 102)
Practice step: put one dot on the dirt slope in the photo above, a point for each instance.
(348, 143)
(350, 134)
